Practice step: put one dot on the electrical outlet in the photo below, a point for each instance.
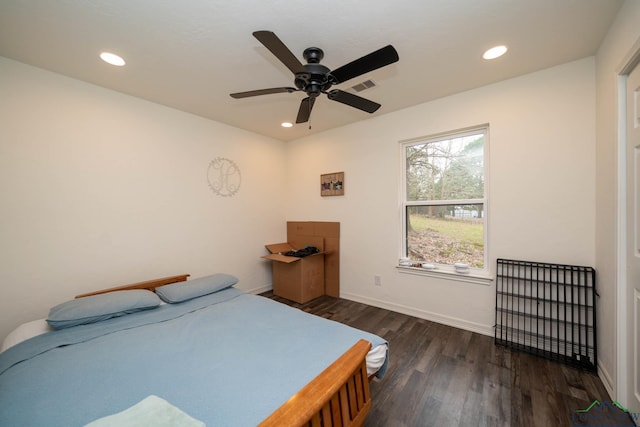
(377, 280)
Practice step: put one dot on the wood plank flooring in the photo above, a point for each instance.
(444, 376)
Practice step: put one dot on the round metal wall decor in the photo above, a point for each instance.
(223, 176)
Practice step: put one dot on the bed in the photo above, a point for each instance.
(210, 351)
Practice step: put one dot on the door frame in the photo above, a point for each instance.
(622, 376)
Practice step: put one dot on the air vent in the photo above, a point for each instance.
(367, 84)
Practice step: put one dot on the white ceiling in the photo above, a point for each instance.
(191, 54)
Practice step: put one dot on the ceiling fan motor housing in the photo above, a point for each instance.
(315, 78)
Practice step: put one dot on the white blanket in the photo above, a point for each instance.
(151, 411)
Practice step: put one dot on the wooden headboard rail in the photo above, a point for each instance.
(148, 284)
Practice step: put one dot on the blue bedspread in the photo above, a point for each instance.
(228, 359)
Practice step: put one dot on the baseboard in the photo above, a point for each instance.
(607, 381)
(422, 314)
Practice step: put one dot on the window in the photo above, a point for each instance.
(444, 199)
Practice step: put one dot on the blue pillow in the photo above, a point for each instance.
(96, 308)
(183, 291)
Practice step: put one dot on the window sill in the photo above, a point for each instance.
(479, 277)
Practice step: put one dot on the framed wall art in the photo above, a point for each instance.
(332, 184)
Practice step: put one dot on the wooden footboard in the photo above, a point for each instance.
(338, 397)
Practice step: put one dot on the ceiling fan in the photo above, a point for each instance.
(314, 79)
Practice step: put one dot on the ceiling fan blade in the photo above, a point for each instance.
(378, 59)
(305, 110)
(353, 100)
(262, 92)
(282, 52)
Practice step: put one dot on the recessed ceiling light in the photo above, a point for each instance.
(112, 58)
(494, 52)
(286, 125)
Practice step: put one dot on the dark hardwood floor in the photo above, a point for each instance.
(443, 376)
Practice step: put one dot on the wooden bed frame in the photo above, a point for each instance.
(148, 284)
(337, 397)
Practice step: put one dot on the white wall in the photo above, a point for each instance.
(100, 189)
(623, 34)
(541, 190)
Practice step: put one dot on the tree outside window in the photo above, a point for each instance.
(445, 200)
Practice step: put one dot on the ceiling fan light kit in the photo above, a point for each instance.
(314, 78)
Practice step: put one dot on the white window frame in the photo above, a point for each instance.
(475, 275)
